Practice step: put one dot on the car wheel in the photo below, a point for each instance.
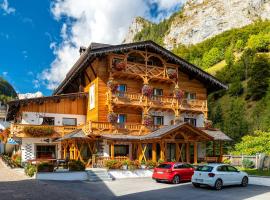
(218, 184)
(196, 185)
(244, 182)
(176, 179)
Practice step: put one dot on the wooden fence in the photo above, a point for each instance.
(238, 160)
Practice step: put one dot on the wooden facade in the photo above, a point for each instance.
(132, 68)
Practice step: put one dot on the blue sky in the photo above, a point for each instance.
(39, 40)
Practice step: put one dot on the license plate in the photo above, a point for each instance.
(199, 180)
(160, 172)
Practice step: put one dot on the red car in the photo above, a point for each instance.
(173, 172)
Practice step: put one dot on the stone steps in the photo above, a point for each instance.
(96, 175)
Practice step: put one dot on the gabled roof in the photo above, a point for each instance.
(96, 49)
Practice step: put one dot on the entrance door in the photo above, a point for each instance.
(171, 152)
(45, 152)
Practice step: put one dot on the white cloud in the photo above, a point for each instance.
(86, 21)
(30, 95)
(5, 73)
(6, 8)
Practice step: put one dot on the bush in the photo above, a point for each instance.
(30, 170)
(38, 131)
(113, 164)
(227, 161)
(160, 161)
(76, 165)
(151, 164)
(248, 164)
(134, 164)
(236, 88)
(45, 167)
(10, 162)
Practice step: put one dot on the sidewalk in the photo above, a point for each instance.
(259, 181)
(8, 174)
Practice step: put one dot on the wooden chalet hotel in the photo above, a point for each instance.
(136, 101)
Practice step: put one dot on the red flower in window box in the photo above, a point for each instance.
(112, 117)
(112, 85)
(179, 94)
(119, 65)
(147, 90)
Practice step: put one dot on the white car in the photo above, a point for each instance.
(218, 175)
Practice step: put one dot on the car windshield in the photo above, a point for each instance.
(165, 166)
(204, 168)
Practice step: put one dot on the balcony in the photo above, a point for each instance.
(98, 128)
(160, 102)
(17, 130)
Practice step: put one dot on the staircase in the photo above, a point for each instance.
(98, 174)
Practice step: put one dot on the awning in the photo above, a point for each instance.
(11, 141)
(77, 134)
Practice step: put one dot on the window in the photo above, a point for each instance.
(190, 95)
(45, 151)
(178, 166)
(157, 92)
(165, 166)
(121, 150)
(222, 168)
(191, 121)
(122, 88)
(231, 169)
(204, 169)
(48, 121)
(122, 118)
(158, 120)
(69, 122)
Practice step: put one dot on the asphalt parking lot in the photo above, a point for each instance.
(129, 189)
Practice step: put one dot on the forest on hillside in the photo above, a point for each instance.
(7, 92)
(241, 59)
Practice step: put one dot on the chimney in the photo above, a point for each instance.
(82, 50)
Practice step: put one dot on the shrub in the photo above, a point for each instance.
(76, 165)
(30, 170)
(227, 161)
(125, 162)
(151, 164)
(236, 88)
(113, 164)
(45, 167)
(38, 131)
(248, 163)
(134, 164)
(160, 161)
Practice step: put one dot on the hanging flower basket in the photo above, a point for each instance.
(112, 118)
(112, 85)
(179, 94)
(172, 73)
(35, 131)
(119, 65)
(147, 90)
(147, 121)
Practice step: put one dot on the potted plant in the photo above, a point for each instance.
(147, 121)
(143, 166)
(151, 164)
(125, 164)
(179, 94)
(147, 90)
(112, 117)
(36, 131)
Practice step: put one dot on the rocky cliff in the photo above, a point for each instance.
(202, 19)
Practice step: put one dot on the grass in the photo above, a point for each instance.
(217, 67)
(255, 172)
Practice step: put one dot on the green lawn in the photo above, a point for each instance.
(256, 172)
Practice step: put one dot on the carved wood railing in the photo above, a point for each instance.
(98, 128)
(18, 129)
(166, 102)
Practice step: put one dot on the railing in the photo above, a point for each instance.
(118, 128)
(18, 129)
(167, 102)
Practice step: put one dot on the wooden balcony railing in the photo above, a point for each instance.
(125, 128)
(18, 129)
(166, 102)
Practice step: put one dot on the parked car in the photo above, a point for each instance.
(173, 172)
(219, 175)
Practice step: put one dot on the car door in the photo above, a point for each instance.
(233, 175)
(180, 170)
(222, 173)
(189, 171)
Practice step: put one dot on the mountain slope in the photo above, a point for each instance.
(202, 19)
(7, 92)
